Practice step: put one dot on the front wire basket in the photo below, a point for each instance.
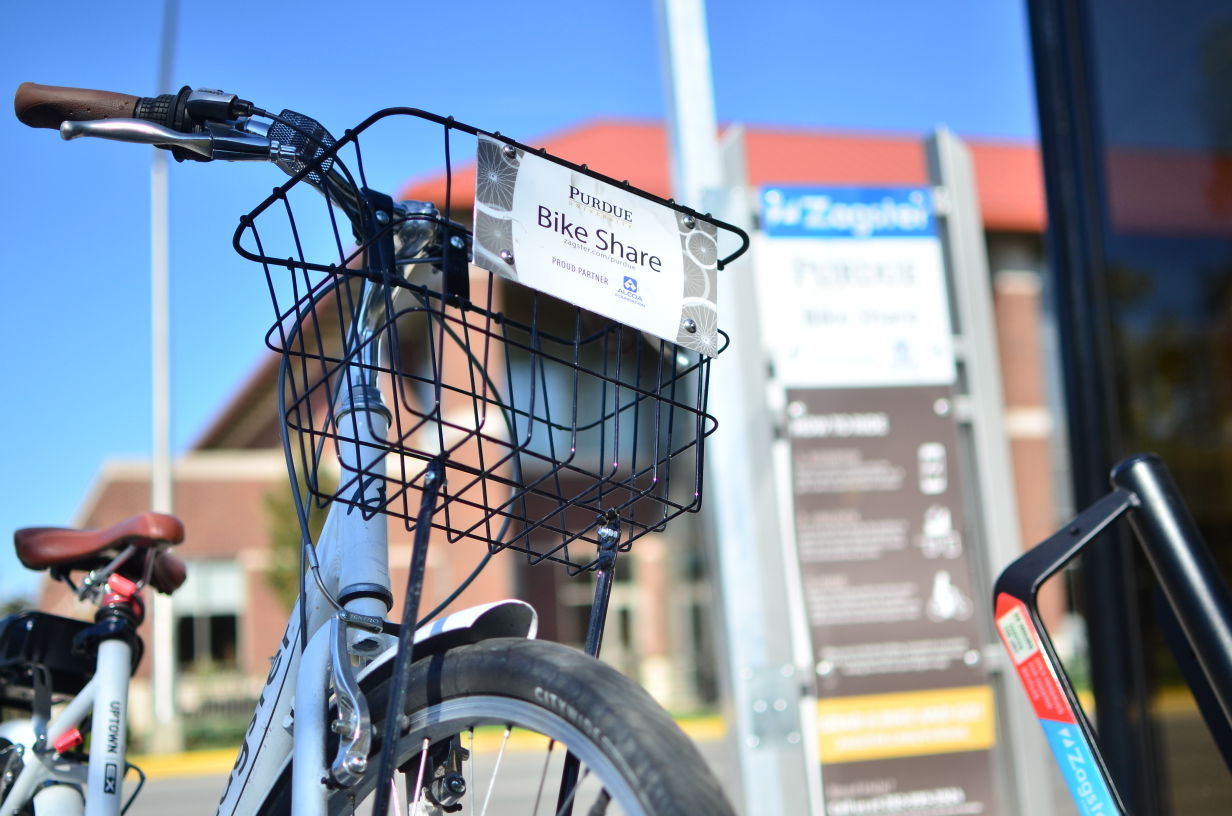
(550, 421)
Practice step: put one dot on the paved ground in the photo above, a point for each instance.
(191, 784)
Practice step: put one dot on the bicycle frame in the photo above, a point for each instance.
(267, 745)
(105, 700)
(334, 632)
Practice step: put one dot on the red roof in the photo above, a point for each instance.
(1008, 175)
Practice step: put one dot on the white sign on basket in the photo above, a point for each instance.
(596, 245)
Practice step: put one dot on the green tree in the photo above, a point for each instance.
(282, 522)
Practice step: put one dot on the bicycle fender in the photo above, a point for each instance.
(507, 618)
(499, 619)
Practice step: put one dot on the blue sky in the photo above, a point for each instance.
(74, 314)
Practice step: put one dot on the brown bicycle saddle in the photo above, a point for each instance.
(66, 548)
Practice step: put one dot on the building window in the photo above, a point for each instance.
(207, 611)
(207, 642)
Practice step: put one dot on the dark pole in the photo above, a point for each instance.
(1072, 152)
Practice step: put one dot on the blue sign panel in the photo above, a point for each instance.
(1082, 774)
(847, 212)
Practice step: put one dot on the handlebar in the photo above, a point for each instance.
(204, 124)
(50, 106)
(200, 124)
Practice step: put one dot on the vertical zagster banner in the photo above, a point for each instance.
(596, 245)
(856, 315)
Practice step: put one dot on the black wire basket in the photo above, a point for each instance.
(549, 421)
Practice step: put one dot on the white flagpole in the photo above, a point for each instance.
(168, 735)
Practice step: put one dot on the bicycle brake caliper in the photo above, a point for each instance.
(445, 788)
(353, 726)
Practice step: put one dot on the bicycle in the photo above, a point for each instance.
(1195, 610)
(551, 431)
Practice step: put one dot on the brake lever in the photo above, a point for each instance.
(219, 140)
(137, 131)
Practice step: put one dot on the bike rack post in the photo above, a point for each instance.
(1184, 566)
(1197, 600)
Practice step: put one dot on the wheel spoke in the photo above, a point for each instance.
(500, 754)
(416, 804)
(543, 776)
(466, 768)
(393, 797)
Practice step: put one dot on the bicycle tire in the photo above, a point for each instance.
(621, 735)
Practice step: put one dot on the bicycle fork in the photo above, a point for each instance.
(363, 598)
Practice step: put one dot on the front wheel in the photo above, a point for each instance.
(491, 724)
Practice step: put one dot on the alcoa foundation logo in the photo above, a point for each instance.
(628, 291)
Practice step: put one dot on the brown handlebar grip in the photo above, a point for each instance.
(49, 105)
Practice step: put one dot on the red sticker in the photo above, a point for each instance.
(1026, 650)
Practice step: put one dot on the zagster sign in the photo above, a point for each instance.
(858, 296)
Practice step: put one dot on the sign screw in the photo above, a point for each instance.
(690, 222)
(689, 324)
(508, 151)
(506, 256)
(457, 242)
